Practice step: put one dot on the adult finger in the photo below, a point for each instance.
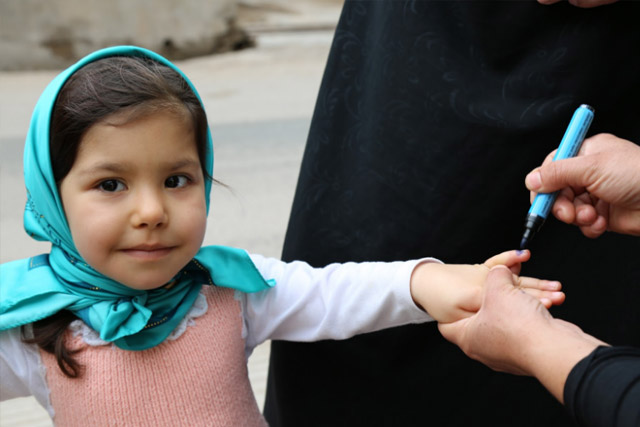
(585, 210)
(564, 207)
(577, 172)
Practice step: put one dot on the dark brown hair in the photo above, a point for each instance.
(128, 85)
(137, 86)
(48, 334)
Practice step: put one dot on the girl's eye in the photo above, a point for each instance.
(111, 185)
(176, 181)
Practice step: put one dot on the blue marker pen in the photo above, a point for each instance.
(569, 147)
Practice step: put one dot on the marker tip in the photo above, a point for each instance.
(523, 243)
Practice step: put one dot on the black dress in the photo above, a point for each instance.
(429, 116)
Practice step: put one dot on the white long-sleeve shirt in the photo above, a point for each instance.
(307, 304)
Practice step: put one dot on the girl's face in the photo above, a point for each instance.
(134, 198)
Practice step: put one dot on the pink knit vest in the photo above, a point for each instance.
(199, 379)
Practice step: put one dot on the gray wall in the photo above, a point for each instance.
(54, 33)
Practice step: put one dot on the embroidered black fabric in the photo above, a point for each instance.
(429, 116)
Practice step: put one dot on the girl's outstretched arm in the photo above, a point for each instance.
(450, 292)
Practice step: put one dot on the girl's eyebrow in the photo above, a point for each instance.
(104, 167)
(119, 167)
(184, 163)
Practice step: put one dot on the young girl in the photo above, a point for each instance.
(114, 325)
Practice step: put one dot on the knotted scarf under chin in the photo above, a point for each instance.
(131, 319)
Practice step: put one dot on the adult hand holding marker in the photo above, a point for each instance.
(600, 187)
(598, 383)
(569, 147)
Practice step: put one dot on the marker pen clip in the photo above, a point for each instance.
(569, 147)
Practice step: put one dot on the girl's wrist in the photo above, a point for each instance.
(420, 280)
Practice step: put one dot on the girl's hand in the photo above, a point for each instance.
(450, 292)
(514, 333)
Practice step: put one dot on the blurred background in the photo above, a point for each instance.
(257, 66)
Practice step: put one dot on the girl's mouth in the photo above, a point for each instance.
(148, 253)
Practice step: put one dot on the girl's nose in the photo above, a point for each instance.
(150, 210)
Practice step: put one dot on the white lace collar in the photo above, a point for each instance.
(91, 337)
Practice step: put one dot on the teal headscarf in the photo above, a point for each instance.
(36, 288)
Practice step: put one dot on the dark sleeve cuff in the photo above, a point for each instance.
(603, 389)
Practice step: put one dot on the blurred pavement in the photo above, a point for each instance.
(259, 103)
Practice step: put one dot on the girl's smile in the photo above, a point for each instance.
(134, 198)
(148, 252)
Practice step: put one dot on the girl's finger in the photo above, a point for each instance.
(540, 284)
(547, 298)
(509, 259)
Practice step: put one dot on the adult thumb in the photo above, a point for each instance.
(559, 174)
(499, 277)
